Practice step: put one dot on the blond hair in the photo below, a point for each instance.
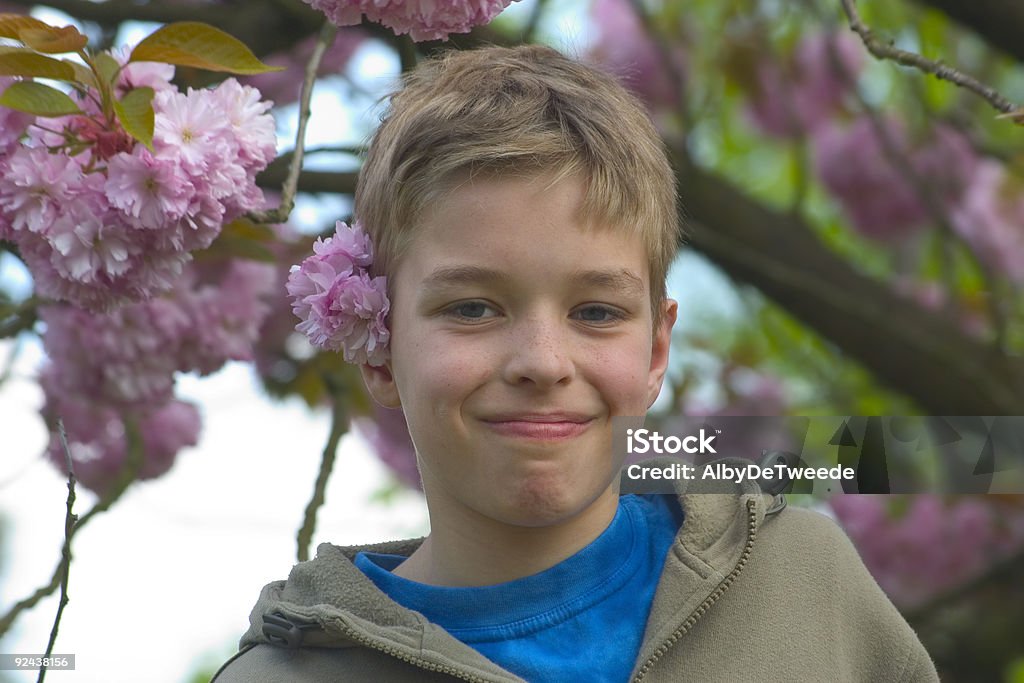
(521, 111)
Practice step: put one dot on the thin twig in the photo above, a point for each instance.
(280, 215)
(133, 463)
(883, 50)
(70, 520)
(929, 199)
(339, 425)
(925, 194)
(277, 166)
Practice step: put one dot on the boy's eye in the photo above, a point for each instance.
(469, 310)
(599, 314)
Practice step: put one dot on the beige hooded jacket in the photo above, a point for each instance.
(749, 592)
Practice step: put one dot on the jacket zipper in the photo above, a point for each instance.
(709, 601)
(421, 663)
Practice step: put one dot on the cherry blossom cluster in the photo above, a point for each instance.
(932, 544)
(105, 366)
(854, 157)
(881, 202)
(342, 308)
(624, 49)
(101, 220)
(794, 97)
(421, 19)
(98, 436)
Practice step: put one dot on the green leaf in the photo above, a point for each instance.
(195, 44)
(53, 40)
(11, 25)
(106, 66)
(38, 99)
(29, 64)
(246, 229)
(135, 112)
(241, 238)
(83, 74)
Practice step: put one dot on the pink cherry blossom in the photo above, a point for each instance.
(88, 246)
(115, 223)
(341, 307)
(250, 125)
(98, 443)
(933, 296)
(795, 97)
(128, 358)
(187, 129)
(121, 359)
(422, 19)
(880, 200)
(624, 48)
(35, 185)
(155, 191)
(225, 315)
(991, 219)
(919, 546)
(155, 75)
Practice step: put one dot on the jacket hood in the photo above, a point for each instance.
(329, 602)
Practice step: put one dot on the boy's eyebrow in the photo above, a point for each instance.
(624, 279)
(457, 275)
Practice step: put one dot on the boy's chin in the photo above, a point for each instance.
(547, 503)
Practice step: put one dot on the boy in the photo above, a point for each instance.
(523, 210)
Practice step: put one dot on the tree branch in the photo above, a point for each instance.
(310, 181)
(280, 215)
(887, 51)
(339, 425)
(70, 519)
(917, 352)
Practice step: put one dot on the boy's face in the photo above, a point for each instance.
(516, 337)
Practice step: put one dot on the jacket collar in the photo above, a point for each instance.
(329, 602)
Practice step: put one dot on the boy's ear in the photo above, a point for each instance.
(380, 382)
(660, 343)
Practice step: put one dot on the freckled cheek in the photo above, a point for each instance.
(441, 373)
(620, 375)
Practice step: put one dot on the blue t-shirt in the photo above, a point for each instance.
(585, 616)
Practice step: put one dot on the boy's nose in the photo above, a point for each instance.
(538, 352)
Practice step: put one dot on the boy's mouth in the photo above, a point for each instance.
(550, 426)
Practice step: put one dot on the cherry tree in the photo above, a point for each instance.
(837, 162)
